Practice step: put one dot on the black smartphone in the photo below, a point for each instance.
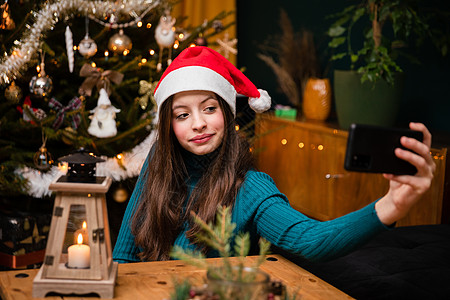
(371, 149)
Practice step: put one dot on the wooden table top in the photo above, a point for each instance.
(155, 280)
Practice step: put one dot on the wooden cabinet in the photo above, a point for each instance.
(306, 160)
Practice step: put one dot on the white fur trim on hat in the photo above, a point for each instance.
(262, 103)
(195, 78)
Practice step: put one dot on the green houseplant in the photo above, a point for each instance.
(387, 29)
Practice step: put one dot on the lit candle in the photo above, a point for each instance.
(79, 254)
(83, 232)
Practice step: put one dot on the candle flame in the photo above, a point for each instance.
(80, 239)
(84, 225)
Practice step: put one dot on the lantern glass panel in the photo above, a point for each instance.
(76, 231)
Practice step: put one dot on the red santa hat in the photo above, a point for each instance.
(201, 68)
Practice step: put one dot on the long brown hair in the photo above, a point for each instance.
(160, 215)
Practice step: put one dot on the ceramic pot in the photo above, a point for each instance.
(367, 103)
(317, 99)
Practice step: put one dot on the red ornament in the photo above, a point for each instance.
(201, 41)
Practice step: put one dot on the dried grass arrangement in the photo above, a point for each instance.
(293, 58)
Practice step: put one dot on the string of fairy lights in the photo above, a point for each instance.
(15, 62)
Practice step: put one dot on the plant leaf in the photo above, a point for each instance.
(358, 14)
(336, 42)
(354, 58)
(338, 56)
(336, 31)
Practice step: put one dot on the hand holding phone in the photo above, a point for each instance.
(371, 148)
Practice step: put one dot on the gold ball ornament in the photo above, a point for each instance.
(120, 195)
(13, 93)
(119, 43)
(41, 85)
(43, 159)
(87, 47)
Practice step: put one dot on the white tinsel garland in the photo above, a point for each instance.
(50, 14)
(39, 182)
(132, 162)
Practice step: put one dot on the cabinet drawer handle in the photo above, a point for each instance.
(333, 176)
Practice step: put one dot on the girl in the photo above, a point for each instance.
(199, 161)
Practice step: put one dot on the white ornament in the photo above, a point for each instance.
(69, 48)
(165, 37)
(87, 47)
(103, 124)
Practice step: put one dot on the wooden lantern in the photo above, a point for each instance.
(78, 260)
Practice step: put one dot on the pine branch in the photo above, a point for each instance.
(10, 182)
(264, 248)
(218, 237)
(181, 291)
(241, 249)
(242, 245)
(194, 258)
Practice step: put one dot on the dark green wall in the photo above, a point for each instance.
(427, 90)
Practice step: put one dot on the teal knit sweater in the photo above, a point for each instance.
(263, 211)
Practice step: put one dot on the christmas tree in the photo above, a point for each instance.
(80, 74)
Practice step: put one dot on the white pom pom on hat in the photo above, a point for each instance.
(201, 68)
(262, 103)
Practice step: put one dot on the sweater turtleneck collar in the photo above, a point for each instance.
(196, 165)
